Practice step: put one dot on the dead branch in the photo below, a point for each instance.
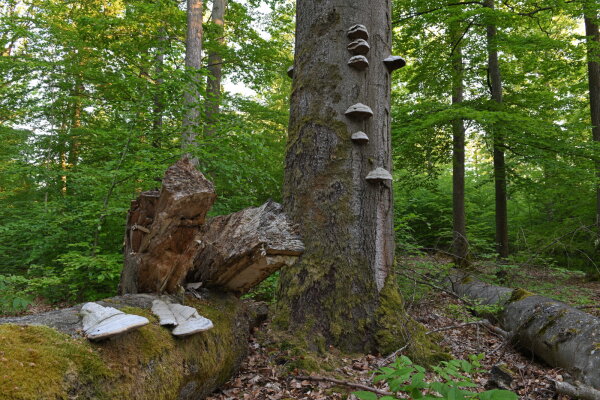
(345, 383)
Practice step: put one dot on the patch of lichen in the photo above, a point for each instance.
(37, 362)
(40, 363)
(519, 294)
(396, 329)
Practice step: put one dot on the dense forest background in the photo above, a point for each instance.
(91, 108)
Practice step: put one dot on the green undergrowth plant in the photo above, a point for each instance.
(453, 381)
(13, 298)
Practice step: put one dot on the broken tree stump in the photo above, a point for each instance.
(240, 250)
(161, 237)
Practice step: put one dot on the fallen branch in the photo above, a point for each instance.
(577, 391)
(448, 292)
(389, 359)
(345, 383)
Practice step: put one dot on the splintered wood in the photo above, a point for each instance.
(168, 243)
(238, 251)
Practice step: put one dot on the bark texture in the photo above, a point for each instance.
(593, 38)
(495, 80)
(345, 220)
(47, 358)
(193, 62)
(559, 334)
(459, 225)
(162, 231)
(215, 66)
(240, 250)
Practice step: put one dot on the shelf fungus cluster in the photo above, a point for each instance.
(185, 320)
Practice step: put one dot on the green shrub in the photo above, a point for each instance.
(453, 378)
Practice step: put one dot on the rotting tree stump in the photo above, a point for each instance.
(559, 334)
(45, 356)
(168, 243)
(162, 231)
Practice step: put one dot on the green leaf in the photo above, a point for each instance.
(365, 395)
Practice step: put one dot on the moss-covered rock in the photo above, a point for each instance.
(56, 362)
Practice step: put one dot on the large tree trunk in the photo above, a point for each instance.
(44, 356)
(498, 140)
(593, 38)
(460, 242)
(193, 62)
(334, 292)
(162, 231)
(215, 66)
(561, 335)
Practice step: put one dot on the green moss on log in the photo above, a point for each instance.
(519, 294)
(38, 362)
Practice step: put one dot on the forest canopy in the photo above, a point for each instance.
(92, 102)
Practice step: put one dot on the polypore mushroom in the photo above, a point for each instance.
(358, 62)
(379, 175)
(359, 111)
(394, 62)
(290, 72)
(359, 46)
(103, 322)
(186, 319)
(360, 137)
(358, 32)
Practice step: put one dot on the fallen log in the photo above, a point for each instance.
(559, 334)
(161, 236)
(577, 391)
(238, 251)
(46, 356)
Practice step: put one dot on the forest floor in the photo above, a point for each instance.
(266, 373)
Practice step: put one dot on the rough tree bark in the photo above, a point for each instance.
(593, 39)
(498, 139)
(162, 231)
(193, 59)
(460, 242)
(334, 294)
(215, 66)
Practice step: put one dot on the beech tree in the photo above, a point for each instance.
(193, 59)
(337, 184)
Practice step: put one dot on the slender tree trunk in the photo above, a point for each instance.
(593, 39)
(215, 67)
(460, 242)
(193, 59)
(334, 294)
(498, 140)
(159, 107)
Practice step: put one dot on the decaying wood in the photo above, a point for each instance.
(577, 391)
(561, 335)
(240, 250)
(162, 231)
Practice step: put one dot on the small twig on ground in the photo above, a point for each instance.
(447, 328)
(345, 383)
(389, 359)
(423, 282)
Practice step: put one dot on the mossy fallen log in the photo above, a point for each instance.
(45, 356)
(559, 334)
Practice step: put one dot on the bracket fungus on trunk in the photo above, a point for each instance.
(358, 62)
(358, 31)
(359, 47)
(394, 62)
(290, 72)
(104, 322)
(379, 175)
(360, 137)
(359, 111)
